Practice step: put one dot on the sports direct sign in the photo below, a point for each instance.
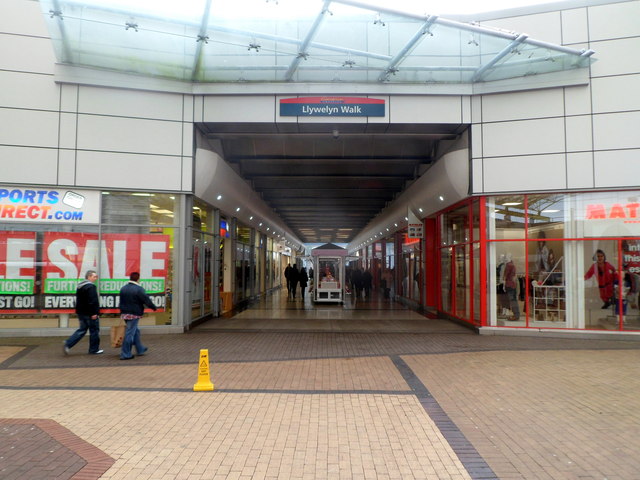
(21, 204)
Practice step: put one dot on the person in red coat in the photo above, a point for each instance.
(606, 276)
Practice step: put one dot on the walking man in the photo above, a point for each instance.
(133, 299)
(88, 311)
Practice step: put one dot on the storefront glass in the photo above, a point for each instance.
(59, 234)
(577, 264)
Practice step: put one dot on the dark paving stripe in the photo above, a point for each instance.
(14, 358)
(219, 390)
(37, 449)
(468, 455)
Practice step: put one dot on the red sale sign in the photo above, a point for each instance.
(68, 256)
(17, 272)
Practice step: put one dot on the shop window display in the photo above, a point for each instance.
(582, 262)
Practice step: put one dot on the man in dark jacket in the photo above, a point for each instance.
(133, 299)
(88, 311)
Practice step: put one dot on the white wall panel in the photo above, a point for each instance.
(574, 26)
(28, 128)
(476, 140)
(117, 170)
(25, 90)
(22, 17)
(130, 103)
(543, 26)
(540, 172)
(523, 138)
(187, 139)
(616, 57)
(187, 108)
(466, 109)
(477, 175)
(580, 170)
(615, 94)
(616, 130)
(617, 168)
(69, 98)
(68, 130)
(198, 108)
(577, 100)
(66, 167)
(578, 133)
(476, 109)
(26, 54)
(425, 109)
(615, 20)
(187, 174)
(236, 108)
(523, 105)
(117, 134)
(30, 166)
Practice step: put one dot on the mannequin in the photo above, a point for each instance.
(503, 300)
(510, 287)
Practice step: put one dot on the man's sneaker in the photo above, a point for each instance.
(97, 353)
(65, 349)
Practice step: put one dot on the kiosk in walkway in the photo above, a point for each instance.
(328, 273)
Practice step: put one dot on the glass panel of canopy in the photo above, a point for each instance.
(303, 41)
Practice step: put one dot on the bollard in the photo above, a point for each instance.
(204, 380)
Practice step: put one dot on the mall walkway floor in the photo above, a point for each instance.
(361, 391)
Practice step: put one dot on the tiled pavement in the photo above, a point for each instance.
(299, 398)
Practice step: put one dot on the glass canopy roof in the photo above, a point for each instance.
(306, 41)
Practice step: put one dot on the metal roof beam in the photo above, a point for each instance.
(302, 50)
(202, 39)
(503, 53)
(410, 45)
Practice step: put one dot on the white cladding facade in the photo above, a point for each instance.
(583, 137)
(107, 134)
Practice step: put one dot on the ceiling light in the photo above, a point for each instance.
(508, 204)
(550, 211)
(237, 209)
(219, 197)
(260, 224)
(406, 219)
(142, 194)
(251, 217)
(441, 198)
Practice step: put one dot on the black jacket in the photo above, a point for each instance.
(87, 301)
(133, 299)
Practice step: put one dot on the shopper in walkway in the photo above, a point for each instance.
(606, 274)
(303, 279)
(294, 277)
(88, 311)
(133, 299)
(287, 275)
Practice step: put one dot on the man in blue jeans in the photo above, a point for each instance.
(133, 299)
(88, 311)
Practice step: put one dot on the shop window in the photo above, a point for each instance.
(507, 217)
(455, 226)
(508, 284)
(549, 298)
(446, 265)
(602, 293)
(546, 215)
(120, 208)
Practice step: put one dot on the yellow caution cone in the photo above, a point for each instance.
(204, 380)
